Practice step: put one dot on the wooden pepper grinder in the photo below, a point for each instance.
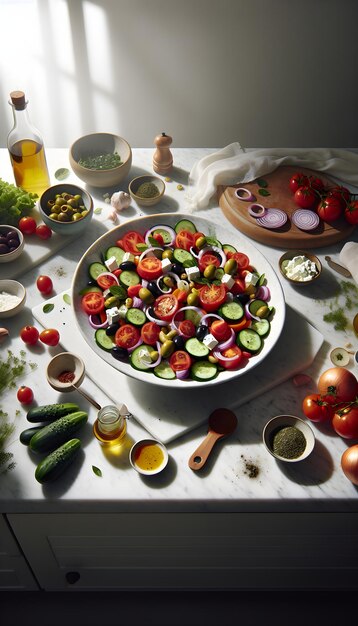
(162, 157)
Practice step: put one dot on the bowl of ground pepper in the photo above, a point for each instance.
(288, 438)
(147, 190)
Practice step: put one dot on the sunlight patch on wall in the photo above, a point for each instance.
(62, 37)
(98, 46)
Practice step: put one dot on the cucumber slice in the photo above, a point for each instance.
(129, 278)
(211, 241)
(90, 289)
(232, 312)
(103, 340)
(255, 305)
(95, 269)
(183, 257)
(193, 316)
(262, 327)
(196, 348)
(163, 370)
(185, 225)
(203, 370)
(248, 339)
(115, 251)
(136, 358)
(167, 237)
(228, 248)
(135, 316)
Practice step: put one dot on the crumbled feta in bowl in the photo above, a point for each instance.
(300, 267)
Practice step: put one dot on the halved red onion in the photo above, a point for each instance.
(206, 317)
(139, 342)
(244, 194)
(215, 249)
(167, 229)
(182, 374)
(96, 325)
(109, 274)
(274, 218)
(155, 319)
(257, 210)
(185, 308)
(263, 293)
(228, 343)
(305, 219)
(150, 251)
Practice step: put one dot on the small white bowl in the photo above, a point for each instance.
(143, 443)
(13, 288)
(138, 181)
(280, 421)
(65, 362)
(11, 256)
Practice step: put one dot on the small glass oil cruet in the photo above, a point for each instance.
(110, 425)
(26, 149)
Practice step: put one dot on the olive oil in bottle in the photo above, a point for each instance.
(26, 149)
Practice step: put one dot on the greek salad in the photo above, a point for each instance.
(177, 302)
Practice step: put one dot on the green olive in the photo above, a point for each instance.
(73, 203)
(201, 242)
(154, 355)
(168, 281)
(230, 266)
(60, 201)
(111, 301)
(63, 217)
(263, 311)
(167, 254)
(84, 213)
(209, 271)
(56, 209)
(76, 217)
(162, 336)
(193, 299)
(128, 302)
(146, 295)
(53, 216)
(77, 197)
(167, 349)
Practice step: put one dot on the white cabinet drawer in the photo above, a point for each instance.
(14, 571)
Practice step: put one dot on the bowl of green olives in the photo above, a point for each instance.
(66, 209)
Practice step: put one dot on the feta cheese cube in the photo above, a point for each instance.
(192, 272)
(122, 311)
(210, 341)
(113, 315)
(228, 280)
(251, 279)
(111, 264)
(166, 265)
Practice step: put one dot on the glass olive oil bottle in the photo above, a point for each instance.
(26, 148)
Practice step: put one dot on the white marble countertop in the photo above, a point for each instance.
(224, 484)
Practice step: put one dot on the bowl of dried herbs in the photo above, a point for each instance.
(288, 438)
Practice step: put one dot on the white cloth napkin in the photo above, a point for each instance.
(232, 165)
(349, 258)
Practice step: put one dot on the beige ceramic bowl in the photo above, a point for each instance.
(287, 256)
(133, 456)
(11, 256)
(280, 421)
(65, 362)
(135, 184)
(96, 144)
(65, 228)
(13, 288)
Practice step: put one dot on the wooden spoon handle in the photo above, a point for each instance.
(199, 457)
(88, 397)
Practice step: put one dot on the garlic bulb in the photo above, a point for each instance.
(3, 333)
(120, 200)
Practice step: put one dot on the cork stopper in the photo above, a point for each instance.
(18, 100)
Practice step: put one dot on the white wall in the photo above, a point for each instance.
(208, 72)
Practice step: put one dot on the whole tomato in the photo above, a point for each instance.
(345, 422)
(305, 197)
(29, 335)
(340, 192)
(337, 385)
(25, 395)
(27, 225)
(50, 337)
(316, 183)
(44, 284)
(317, 409)
(43, 231)
(298, 180)
(329, 209)
(351, 212)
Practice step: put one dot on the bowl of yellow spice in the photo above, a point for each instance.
(147, 190)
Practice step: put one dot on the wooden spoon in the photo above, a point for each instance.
(222, 422)
(338, 268)
(88, 397)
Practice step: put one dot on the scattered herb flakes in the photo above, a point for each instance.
(47, 308)
(345, 300)
(11, 368)
(97, 471)
(264, 192)
(67, 298)
(60, 272)
(337, 318)
(250, 468)
(62, 173)
(261, 182)
(98, 210)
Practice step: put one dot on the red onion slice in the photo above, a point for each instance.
(150, 251)
(228, 343)
(263, 293)
(167, 229)
(250, 315)
(137, 303)
(185, 308)
(274, 218)
(305, 219)
(220, 357)
(95, 324)
(182, 374)
(244, 194)
(155, 319)
(109, 274)
(257, 210)
(216, 250)
(207, 316)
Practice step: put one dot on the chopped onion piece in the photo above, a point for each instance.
(167, 229)
(257, 210)
(182, 374)
(305, 219)
(244, 194)
(274, 218)
(95, 325)
(137, 303)
(263, 293)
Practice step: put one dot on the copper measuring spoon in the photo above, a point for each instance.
(222, 422)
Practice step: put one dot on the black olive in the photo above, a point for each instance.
(178, 269)
(13, 243)
(112, 329)
(118, 353)
(128, 266)
(92, 283)
(12, 234)
(150, 310)
(153, 288)
(179, 342)
(4, 249)
(3, 240)
(201, 331)
(243, 298)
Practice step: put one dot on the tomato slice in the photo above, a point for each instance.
(241, 259)
(231, 357)
(243, 323)
(208, 259)
(220, 330)
(187, 328)
(185, 240)
(238, 286)
(105, 281)
(150, 268)
(133, 290)
(166, 306)
(212, 296)
(150, 333)
(180, 360)
(131, 240)
(127, 336)
(92, 303)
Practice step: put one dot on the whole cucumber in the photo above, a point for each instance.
(26, 435)
(53, 465)
(51, 412)
(55, 434)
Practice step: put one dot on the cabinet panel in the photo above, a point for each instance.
(14, 572)
(190, 550)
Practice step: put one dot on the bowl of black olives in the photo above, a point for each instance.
(11, 243)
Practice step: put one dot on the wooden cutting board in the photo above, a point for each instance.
(288, 236)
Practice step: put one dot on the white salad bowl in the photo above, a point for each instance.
(225, 236)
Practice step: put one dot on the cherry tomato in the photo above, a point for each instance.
(316, 183)
(131, 240)
(25, 395)
(198, 235)
(208, 258)
(127, 336)
(117, 272)
(329, 209)
(44, 284)
(351, 212)
(149, 268)
(107, 280)
(220, 330)
(150, 333)
(29, 335)
(133, 290)
(165, 307)
(185, 240)
(316, 408)
(231, 357)
(241, 259)
(180, 360)
(341, 193)
(43, 231)
(187, 328)
(298, 180)
(345, 422)
(27, 225)
(92, 303)
(50, 337)
(212, 296)
(305, 197)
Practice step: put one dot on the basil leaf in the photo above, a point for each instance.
(62, 173)
(98, 211)
(47, 308)
(142, 246)
(97, 471)
(118, 291)
(261, 182)
(67, 298)
(153, 242)
(264, 192)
